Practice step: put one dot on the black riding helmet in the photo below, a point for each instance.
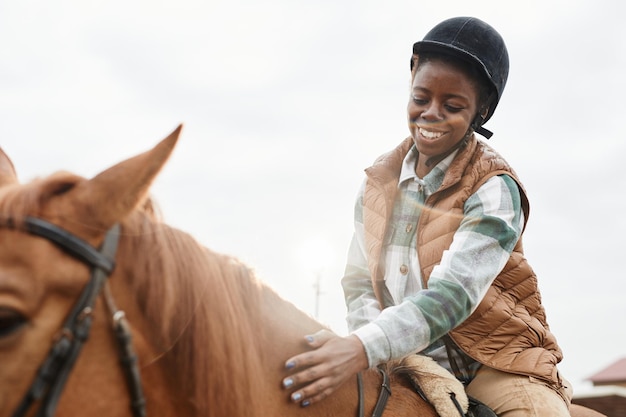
(478, 43)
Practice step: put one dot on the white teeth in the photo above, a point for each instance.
(428, 134)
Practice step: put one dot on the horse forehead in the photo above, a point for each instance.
(30, 265)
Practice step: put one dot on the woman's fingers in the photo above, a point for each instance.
(315, 341)
(318, 339)
(314, 385)
(313, 393)
(314, 372)
(321, 371)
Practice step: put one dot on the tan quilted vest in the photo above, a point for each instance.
(508, 330)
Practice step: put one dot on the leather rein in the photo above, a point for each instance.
(385, 393)
(67, 344)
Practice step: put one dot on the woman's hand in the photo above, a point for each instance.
(321, 371)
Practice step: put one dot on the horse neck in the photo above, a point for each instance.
(263, 331)
(193, 314)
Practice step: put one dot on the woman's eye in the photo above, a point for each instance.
(453, 109)
(419, 101)
(10, 321)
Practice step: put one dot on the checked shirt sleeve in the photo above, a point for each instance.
(480, 248)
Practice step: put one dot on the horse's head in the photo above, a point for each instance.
(40, 282)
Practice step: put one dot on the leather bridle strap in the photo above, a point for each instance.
(385, 392)
(75, 246)
(54, 371)
(128, 356)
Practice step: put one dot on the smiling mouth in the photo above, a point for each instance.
(429, 134)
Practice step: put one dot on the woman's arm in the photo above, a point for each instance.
(490, 229)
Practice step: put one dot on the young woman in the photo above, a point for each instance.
(436, 264)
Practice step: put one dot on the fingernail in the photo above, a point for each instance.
(309, 339)
(290, 364)
(287, 382)
(296, 396)
(306, 403)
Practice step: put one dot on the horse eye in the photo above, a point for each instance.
(10, 321)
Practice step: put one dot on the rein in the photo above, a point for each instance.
(385, 393)
(55, 369)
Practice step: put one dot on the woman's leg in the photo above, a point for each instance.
(511, 395)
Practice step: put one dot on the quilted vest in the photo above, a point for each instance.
(508, 330)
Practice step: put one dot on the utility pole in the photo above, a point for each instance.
(318, 292)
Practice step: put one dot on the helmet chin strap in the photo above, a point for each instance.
(477, 123)
(484, 132)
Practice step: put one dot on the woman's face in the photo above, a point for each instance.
(443, 103)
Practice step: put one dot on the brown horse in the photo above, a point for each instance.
(211, 340)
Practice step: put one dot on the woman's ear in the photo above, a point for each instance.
(484, 112)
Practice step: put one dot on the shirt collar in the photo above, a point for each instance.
(433, 179)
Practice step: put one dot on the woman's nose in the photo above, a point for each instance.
(432, 113)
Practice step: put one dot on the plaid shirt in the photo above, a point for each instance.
(414, 321)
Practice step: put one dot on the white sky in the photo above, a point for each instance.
(285, 102)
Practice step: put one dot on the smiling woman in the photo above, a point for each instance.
(436, 265)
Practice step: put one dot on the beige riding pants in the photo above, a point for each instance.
(511, 395)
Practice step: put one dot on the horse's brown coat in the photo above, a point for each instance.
(211, 339)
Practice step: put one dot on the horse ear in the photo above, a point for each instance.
(111, 195)
(7, 170)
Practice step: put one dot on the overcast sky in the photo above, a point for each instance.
(285, 102)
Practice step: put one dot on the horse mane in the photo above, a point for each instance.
(201, 305)
(204, 304)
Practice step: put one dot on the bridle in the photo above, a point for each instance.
(385, 393)
(55, 369)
